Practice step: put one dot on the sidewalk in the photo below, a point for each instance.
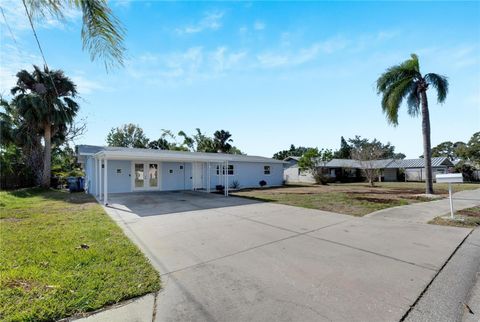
(425, 211)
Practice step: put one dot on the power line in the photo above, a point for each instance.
(10, 29)
(39, 46)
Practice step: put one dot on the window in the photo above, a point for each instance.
(266, 170)
(181, 167)
(231, 170)
(170, 171)
(119, 171)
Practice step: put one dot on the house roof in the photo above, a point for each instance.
(153, 154)
(388, 163)
(291, 157)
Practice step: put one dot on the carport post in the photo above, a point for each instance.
(100, 194)
(208, 176)
(105, 184)
(96, 177)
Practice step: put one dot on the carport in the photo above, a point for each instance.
(145, 168)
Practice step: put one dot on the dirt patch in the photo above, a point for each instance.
(12, 219)
(373, 199)
(471, 212)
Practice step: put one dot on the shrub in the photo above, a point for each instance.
(235, 184)
(320, 178)
(466, 170)
(262, 183)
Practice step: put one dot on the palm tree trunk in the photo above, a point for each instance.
(47, 156)
(427, 146)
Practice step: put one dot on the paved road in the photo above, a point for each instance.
(232, 259)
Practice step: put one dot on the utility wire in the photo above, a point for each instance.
(39, 46)
(10, 29)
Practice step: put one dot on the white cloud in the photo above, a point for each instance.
(194, 63)
(303, 55)
(210, 21)
(17, 18)
(258, 25)
(86, 86)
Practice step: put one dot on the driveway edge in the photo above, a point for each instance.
(445, 297)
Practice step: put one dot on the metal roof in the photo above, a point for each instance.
(388, 163)
(135, 153)
(420, 163)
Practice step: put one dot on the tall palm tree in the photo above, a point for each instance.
(44, 100)
(102, 33)
(404, 81)
(221, 139)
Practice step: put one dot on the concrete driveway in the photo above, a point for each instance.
(234, 259)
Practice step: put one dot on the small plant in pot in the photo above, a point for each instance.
(235, 184)
(262, 183)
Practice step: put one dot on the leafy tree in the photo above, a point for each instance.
(160, 144)
(313, 160)
(128, 136)
(367, 154)
(203, 142)
(404, 81)
(448, 149)
(388, 150)
(293, 151)
(102, 33)
(473, 148)
(344, 151)
(222, 141)
(44, 106)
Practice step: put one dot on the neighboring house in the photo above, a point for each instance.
(293, 174)
(115, 170)
(390, 169)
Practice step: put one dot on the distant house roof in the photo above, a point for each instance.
(291, 157)
(388, 163)
(129, 153)
(420, 163)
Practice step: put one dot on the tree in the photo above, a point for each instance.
(128, 136)
(367, 154)
(293, 151)
(313, 160)
(43, 102)
(473, 148)
(102, 33)
(404, 81)
(344, 151)
(448, 149)
(221, 141)
(160, 144)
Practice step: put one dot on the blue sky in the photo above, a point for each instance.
(272, 73)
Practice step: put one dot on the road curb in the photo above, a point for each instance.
(446, 296)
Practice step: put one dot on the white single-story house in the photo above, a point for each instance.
(345, 169)
(120, 170)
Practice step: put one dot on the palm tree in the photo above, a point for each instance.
(102, 33)
(404, 81)
(44, 100)
(221, 139)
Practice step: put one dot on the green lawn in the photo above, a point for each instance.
(356, 199)
(469, 217)
(46, 274)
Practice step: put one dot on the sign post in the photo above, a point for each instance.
(450, 178)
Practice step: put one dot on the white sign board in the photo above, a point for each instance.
(449, 178)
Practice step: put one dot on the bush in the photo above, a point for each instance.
(235, 184)
(320, 178)
(262, 183)
(466, 170)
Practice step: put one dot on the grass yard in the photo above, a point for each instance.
(469, 217)
(60, 255)
(356, 199)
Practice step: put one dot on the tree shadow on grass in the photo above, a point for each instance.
(53, 194)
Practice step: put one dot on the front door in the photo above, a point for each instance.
(197, 176)
(145, 176)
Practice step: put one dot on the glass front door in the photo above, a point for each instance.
(145, 176)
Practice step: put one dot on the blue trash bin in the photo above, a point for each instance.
(81, 183)
(72, 184)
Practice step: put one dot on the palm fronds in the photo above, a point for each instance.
(440, 83)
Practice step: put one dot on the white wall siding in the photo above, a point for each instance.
(247, 174)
